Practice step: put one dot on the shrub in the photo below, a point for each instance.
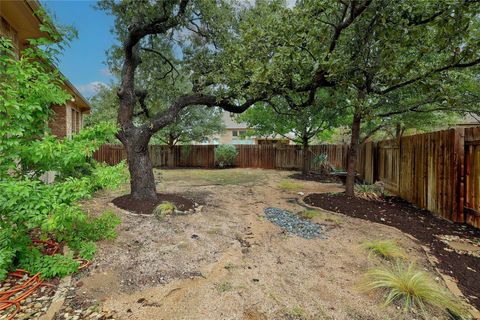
(369, 191)
(225, 155)
(164, 209)
(387, 249)
(321, 160)
(28, 206)
(413, 289)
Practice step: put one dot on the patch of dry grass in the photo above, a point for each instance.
(221, 177)
(386, 249)
(290, 185)
(310, 214)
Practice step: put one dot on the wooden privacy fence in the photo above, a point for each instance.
(249, 156)
(437, 171)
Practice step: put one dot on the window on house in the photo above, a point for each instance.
(79, 123)
(235, 133)
(6, 30)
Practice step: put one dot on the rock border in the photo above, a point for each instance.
(58, 299)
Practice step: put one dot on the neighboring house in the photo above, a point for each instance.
(236, 133)
(469, 121)
(19, 23)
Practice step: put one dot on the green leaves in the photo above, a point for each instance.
(29, 87)
(27, 205)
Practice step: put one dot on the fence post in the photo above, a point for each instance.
(459, 163)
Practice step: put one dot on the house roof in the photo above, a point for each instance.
(231, 123)
(21, 15)
(79, 100)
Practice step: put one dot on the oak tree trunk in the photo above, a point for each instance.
(142, 180)
(352, 156)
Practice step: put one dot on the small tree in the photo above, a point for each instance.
(284, 117)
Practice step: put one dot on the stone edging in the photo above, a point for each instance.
(449, 281)
(58, 299)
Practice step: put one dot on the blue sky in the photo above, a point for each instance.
(83, 62)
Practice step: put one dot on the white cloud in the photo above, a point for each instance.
(90, 89)
(105, 72)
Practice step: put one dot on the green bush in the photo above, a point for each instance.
(324, 166)
(28, 207)
(225, 155)
(51, 209)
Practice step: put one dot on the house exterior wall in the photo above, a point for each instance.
(66, 121)
(58, 121)
(19, 24)
(7, 31)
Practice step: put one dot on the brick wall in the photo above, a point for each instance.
(58, 121)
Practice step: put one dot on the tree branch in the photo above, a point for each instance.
(456, 65)
(162, 119)
(172, 66)
(126, 92)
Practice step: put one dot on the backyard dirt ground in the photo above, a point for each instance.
(228, 261)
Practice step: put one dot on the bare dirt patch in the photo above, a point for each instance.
(128, 203)
(229, 261)
(421, 224)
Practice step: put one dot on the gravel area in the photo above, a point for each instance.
(34, 305)
(294, 224)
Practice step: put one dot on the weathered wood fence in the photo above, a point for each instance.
(437, 171)
(287, 157)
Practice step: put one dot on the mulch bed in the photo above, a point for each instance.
(325, 178)
(127, 202)
(419, 223)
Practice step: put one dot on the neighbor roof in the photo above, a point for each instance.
(230, 122)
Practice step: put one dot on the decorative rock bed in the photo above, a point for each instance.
(294, 224)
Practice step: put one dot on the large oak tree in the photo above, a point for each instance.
(183, 35)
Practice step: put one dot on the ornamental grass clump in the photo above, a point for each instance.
(386, 249)
(413, 289)
(164, 209)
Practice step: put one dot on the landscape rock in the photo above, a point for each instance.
(294, 224)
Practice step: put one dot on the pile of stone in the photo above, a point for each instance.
(293, 224)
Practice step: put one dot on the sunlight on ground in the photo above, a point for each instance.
(210, 177)
(290, 186)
